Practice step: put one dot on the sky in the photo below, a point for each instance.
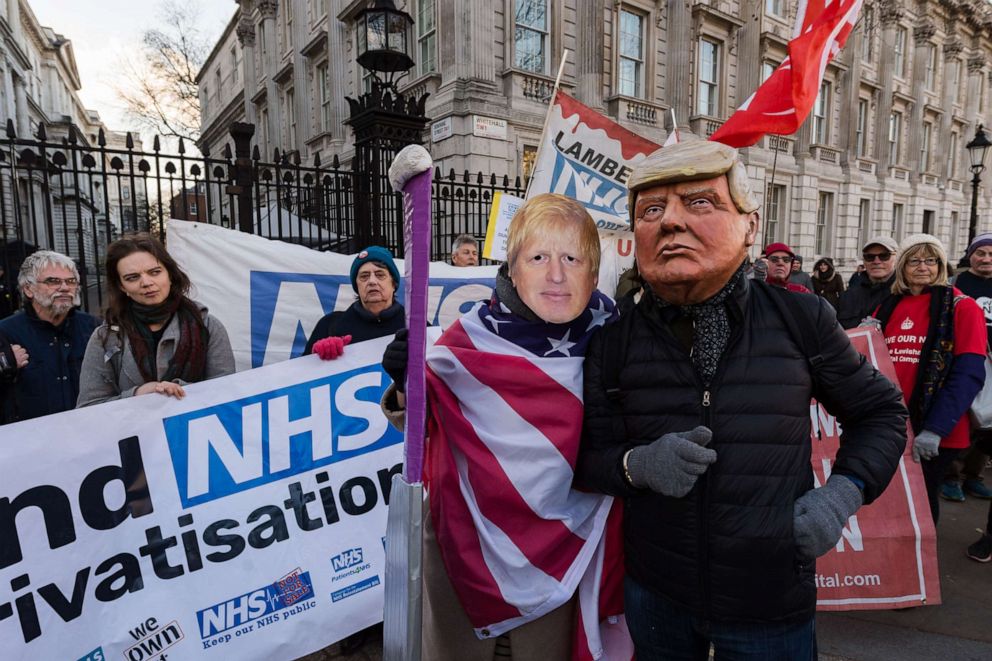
(106, 32)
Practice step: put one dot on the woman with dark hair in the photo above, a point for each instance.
(827, 283)
(154, 339)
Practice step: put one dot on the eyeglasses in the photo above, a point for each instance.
(929, 261)
(55, 283)
(780, 260)
(877, 256)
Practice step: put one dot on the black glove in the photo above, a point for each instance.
(394, 359)
(8, 361)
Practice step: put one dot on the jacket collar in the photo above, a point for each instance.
(385, 315)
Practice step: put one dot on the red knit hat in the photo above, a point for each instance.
(778, 247)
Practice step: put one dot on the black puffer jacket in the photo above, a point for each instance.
(861, 299)
(726, 550)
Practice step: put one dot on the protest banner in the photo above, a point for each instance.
(588, 157)
(504, 206)
(270, 295)
(245, 521)
(887, 556)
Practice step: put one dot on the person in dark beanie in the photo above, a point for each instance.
(798, 275)
(376, 313)
(827, 282)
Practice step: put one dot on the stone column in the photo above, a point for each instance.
(590, 46)
(922, 34)
(21, 119)
(269, 61)
(889, 13)
(952, 49)
(680, 48)
(337, 72)
(246, 37)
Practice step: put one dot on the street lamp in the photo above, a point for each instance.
(383, 40)
(977, 149)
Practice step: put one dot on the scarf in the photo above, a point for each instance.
(937, 353)
(517, 541)
(189, 360)
(710, 327)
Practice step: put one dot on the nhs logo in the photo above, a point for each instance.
(348, 558)
(256, 604)
(242, 444)
(285, 307)
(604, 198)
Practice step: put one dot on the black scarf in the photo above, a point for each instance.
(937, 354)
(710, 327)
(189, 361)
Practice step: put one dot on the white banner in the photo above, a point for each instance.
(245, 521)
(270, 295)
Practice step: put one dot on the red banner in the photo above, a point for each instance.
(887, 556)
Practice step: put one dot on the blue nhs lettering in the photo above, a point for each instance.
(255, 604)
(238, 445)
(285, 307)
(348, 558)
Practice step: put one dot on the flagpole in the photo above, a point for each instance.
(547, 116)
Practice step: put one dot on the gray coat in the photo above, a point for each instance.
(111, 372)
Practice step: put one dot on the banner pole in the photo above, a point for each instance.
(547, 116)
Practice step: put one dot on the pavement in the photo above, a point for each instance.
(959, 629)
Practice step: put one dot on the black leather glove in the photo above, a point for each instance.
(394, 359)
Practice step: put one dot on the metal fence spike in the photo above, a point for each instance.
(11, 134)
(129, 141)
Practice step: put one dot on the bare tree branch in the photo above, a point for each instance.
(161, 93)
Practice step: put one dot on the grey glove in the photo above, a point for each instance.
(925, 446)
(819, 515)
(672, 463)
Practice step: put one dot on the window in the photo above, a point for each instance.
(217, 82)
(529, 159)
(868, 29)
(931, 78)
(193, 209)
(775, 7)
(709, 71)
(897, 210)
(895, 136)
(861, 132)
(774, 212)
(767, 69)
(925, 147)
(530, 37)
(290, 109)
(821, 111)
(631, 66)
(235, 65)
(287, 25)
(323, 99)
(263, 120)
(263, 48)
(955, 233)
(900, 52)
(952, 156)
(126, 192)
(928, 221)
(864, 220)
(203, 101)
(824, 215)
(427, 36)
(955, 80)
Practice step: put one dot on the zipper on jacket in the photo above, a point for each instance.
(702, 499)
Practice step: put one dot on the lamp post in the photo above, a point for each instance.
(383, 121)
(977, 149)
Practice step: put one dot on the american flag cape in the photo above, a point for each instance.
(506, 416)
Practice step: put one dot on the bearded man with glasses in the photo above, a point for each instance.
(53, 334)
(865, 294)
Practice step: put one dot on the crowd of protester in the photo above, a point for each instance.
(696, 368)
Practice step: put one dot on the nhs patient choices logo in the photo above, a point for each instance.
(236, 446)
(285, 307)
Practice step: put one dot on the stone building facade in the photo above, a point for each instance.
(39, 86)
(882, 152)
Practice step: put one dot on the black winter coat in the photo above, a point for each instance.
(861, 299)
(358, 322)
(726, 550)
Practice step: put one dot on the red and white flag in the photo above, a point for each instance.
(783, 102)
(516, 539)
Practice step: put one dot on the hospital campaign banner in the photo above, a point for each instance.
(245, 521)
(270, 294)
(887, 555)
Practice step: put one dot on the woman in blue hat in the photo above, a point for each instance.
(376, 313)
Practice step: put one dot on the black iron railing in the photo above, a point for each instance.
(75, 197)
